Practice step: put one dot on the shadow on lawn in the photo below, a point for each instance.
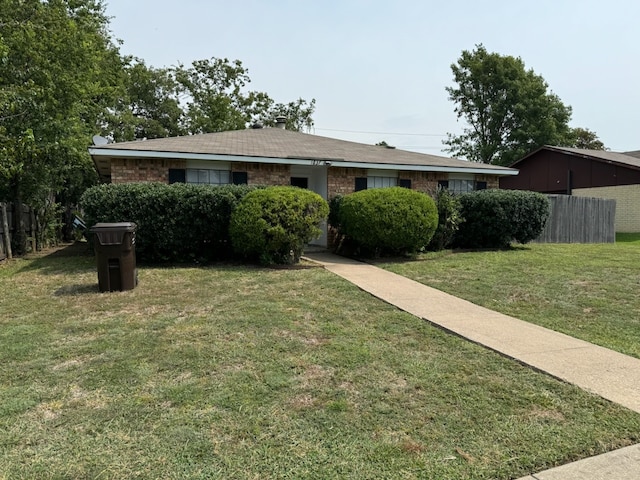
(70, 258)
(78, 289)
(77, 258)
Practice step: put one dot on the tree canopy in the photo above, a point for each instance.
(586, 139)
(509, 109)
(208, 96)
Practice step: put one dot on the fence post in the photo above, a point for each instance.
(6, 237)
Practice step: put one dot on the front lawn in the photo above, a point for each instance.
(241, 372)
(588, 291)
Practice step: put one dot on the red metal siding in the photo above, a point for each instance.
(548, 172)
(603, 174)
(558, 168)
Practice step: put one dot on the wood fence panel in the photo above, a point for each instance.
(7, 228)
(580, 220)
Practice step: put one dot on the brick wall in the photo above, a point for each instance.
(342, 181)
(627, 199)
(493, 181)
(128, 170)
(424, 181)
(265, 173)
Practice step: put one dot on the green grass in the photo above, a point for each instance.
(240, 372)
(586, 291)
(628, 238)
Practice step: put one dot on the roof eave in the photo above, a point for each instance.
(583, 154)
(338, 162)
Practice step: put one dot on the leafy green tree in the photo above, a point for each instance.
(298, 115)
(215, 98)
(208, 96)
(586, 139)
(148, 107)
(57, 65)
(509, 109)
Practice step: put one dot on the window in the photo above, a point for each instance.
(381, 182)
(462, 186)
(377, 179)
(208, 177)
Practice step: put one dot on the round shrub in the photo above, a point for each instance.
(388, 220)
(495, 218)
(274, 224)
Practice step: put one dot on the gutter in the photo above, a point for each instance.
(338, 162)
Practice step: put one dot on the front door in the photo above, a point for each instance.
(302, 182)
(313, 178)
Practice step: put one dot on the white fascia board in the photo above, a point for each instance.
(425, 168)
(99, 152)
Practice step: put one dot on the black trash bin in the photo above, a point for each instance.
(115, 246)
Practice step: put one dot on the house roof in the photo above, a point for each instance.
(275, 145)
(634, 153)
(626, 159)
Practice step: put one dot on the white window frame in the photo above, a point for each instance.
(199, 172)
(459, 185)
(208, 176)
(382, 178)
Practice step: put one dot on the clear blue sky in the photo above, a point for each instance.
(382, 66)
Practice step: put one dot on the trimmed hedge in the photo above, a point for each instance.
(392, 220)
(495, 218)
(177, 222)
(273, 225)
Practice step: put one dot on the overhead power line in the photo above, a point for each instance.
(383, 133)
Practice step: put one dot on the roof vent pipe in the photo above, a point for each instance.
(281, 122)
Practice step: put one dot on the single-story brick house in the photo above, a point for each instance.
(584, 173)
(274, 156)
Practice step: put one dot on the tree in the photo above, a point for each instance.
(509, 110)
(208, 96)
(57, 65)
(298, 115)
(586, 139)
(148, 107)
(215, 97)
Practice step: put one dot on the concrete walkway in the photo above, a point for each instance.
(610, 374)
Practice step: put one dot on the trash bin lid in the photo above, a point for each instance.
(112, 233)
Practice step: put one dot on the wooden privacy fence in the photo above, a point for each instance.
(580, 220)
(7, 228)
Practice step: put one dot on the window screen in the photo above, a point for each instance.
(208, 177)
